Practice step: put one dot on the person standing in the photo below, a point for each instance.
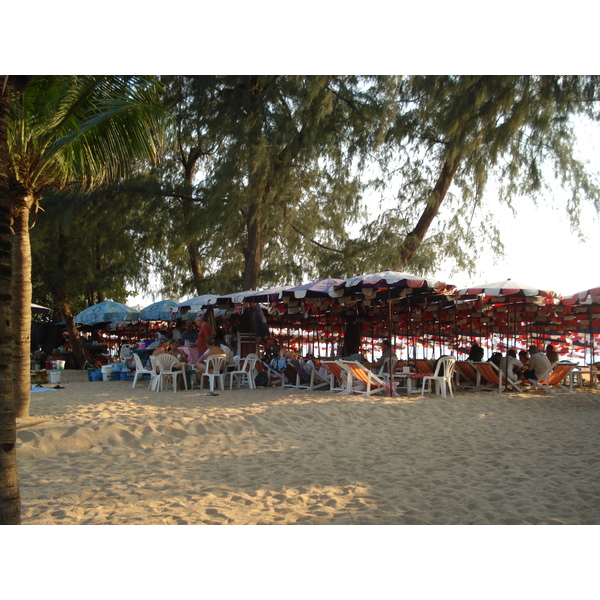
(190, 335)
(204, 331)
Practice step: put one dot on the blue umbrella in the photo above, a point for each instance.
(106, 312)
(159, 311)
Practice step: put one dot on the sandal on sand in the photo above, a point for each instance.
(59, 387)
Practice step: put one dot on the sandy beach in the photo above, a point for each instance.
(104, 453)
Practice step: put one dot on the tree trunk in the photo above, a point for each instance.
(414, 239)
(74, 337)
(10, 499)
(254, 249)
(21, 307)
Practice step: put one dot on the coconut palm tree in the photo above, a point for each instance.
(67, 132)
(10, 501)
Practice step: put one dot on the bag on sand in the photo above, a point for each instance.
(262, 379)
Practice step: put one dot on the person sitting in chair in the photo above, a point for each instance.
(386, 354)
(552, 354)
(512, 366)
(537, 365)
(213, 349)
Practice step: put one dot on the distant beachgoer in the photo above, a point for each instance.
(212, 349)
(538, 363)
(552, 354)
(512, 366)
(476, 353)
(190, 334)
(204, 331)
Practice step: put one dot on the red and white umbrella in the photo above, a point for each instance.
(369, 285)
(501, 289)
(591, 296)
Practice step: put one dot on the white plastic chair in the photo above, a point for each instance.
(165, 365)
(442, 376)
(140, 370)
(245, 374)
(215, 369)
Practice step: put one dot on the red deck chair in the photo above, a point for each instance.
(359, 377)
(495, 377)
(552, 381)
(275, 378)
(338, 378)
(466, 375)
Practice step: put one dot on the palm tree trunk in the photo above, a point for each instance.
(10, 500)
(21, 308)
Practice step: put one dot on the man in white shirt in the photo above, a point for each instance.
(538, 362)
(509, 363)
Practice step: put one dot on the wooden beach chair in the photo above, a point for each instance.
(495, 377)
(466, 375)
(275, 378)
(363, 381)
(317, 381)
(338, 378)
(296, 376)
(424, 366)
(552, 381)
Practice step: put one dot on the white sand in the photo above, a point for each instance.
(110, 454)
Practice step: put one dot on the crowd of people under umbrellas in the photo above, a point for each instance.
(528, 364)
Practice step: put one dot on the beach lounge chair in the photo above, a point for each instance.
(363, 381)
(215, 371)
(168, 369)
(466, 375)
(442, 376)
(245, 372)
(495, 377)
(317, 381)
(296, 376)
(424, 366)
(140, 371)
(552, 381)
(275, 378)
(338, 378)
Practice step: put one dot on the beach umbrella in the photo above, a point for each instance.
(512, 293)
(388, 284)
(591, 299)
(369, 285)
(106, 312)
(163, 310)
(198, 303)
(314, 289)
(505, 289)
(36, 308)
(266, 295)
(585, 298)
